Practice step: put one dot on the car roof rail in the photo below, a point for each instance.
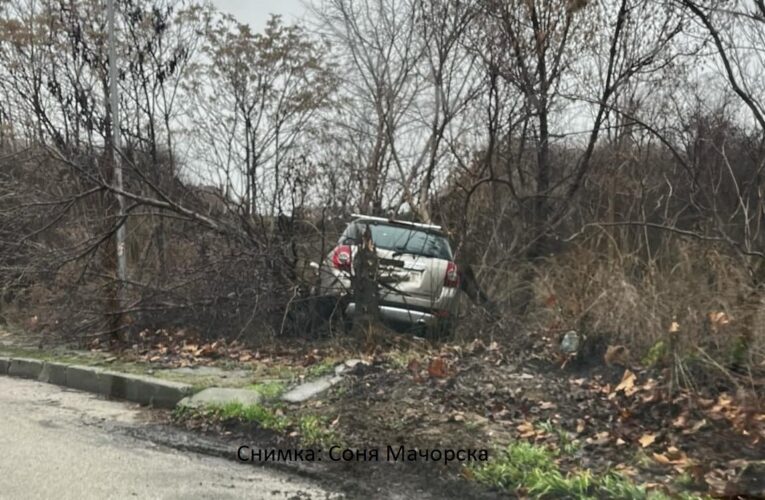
(392, 220)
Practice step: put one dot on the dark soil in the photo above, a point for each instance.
(480, 398)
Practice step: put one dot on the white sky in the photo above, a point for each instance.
(256, 12)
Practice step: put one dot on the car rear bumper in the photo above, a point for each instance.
(404, 316)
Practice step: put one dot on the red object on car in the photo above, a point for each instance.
(341, 257)
(452, 277)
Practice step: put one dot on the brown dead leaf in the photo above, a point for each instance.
(672, 456)
(681, 421)
(413, 366)
(626, 470)
(704, 402)
(695, 427)
(718, 319)
(647, 439)
(526, 430)
(616, 355)
(190, 348)
(477, 346)
(467, 473)
(717, 481)
(580, 425)
(205, 350)
(437, 368)
(627, 384)
(600, 438)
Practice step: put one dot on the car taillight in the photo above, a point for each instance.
(341, 257)
(452, 278)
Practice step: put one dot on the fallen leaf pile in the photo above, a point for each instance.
(181, 348)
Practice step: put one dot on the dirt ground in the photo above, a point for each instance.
(482, 400)
(594, 415)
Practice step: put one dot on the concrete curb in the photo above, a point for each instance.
(136, 388)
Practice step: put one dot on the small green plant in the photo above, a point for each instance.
(400, 359)
(642, 459)
(684, 480)
(553, 484)
(319, 369)
(266, 417)
(531, 469)
(315, 431)
(616, 486)
(739, 351)
(269, 390)
(655, 354)
(473, 425)
(566, 442)
(514, 466)
(182, 412)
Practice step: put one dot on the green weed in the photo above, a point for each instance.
(531, 470)
(267, 418)
(566, 441)
(319, 369)
(314, 431)
(269, 390)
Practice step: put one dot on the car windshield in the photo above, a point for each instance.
(401, 239)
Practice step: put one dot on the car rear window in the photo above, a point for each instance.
(400, 239)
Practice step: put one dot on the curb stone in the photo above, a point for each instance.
(53, 373)
(148, 390)
(25, 368)
(89, 379)
(135, 388)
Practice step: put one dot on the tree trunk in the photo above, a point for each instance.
(364, 283)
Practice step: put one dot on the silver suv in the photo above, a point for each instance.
(417, 277)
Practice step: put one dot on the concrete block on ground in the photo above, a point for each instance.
(4, 364)
(25, 368)
(308, 390)
(221, 396)
(53, 373)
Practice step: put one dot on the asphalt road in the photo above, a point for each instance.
(58, 443)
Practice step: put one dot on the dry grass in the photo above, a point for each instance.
(699, 294)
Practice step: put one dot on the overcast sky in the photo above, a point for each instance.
(256, 12)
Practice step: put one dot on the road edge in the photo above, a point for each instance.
(145, 390)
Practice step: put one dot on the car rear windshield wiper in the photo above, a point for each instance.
(401, 251)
